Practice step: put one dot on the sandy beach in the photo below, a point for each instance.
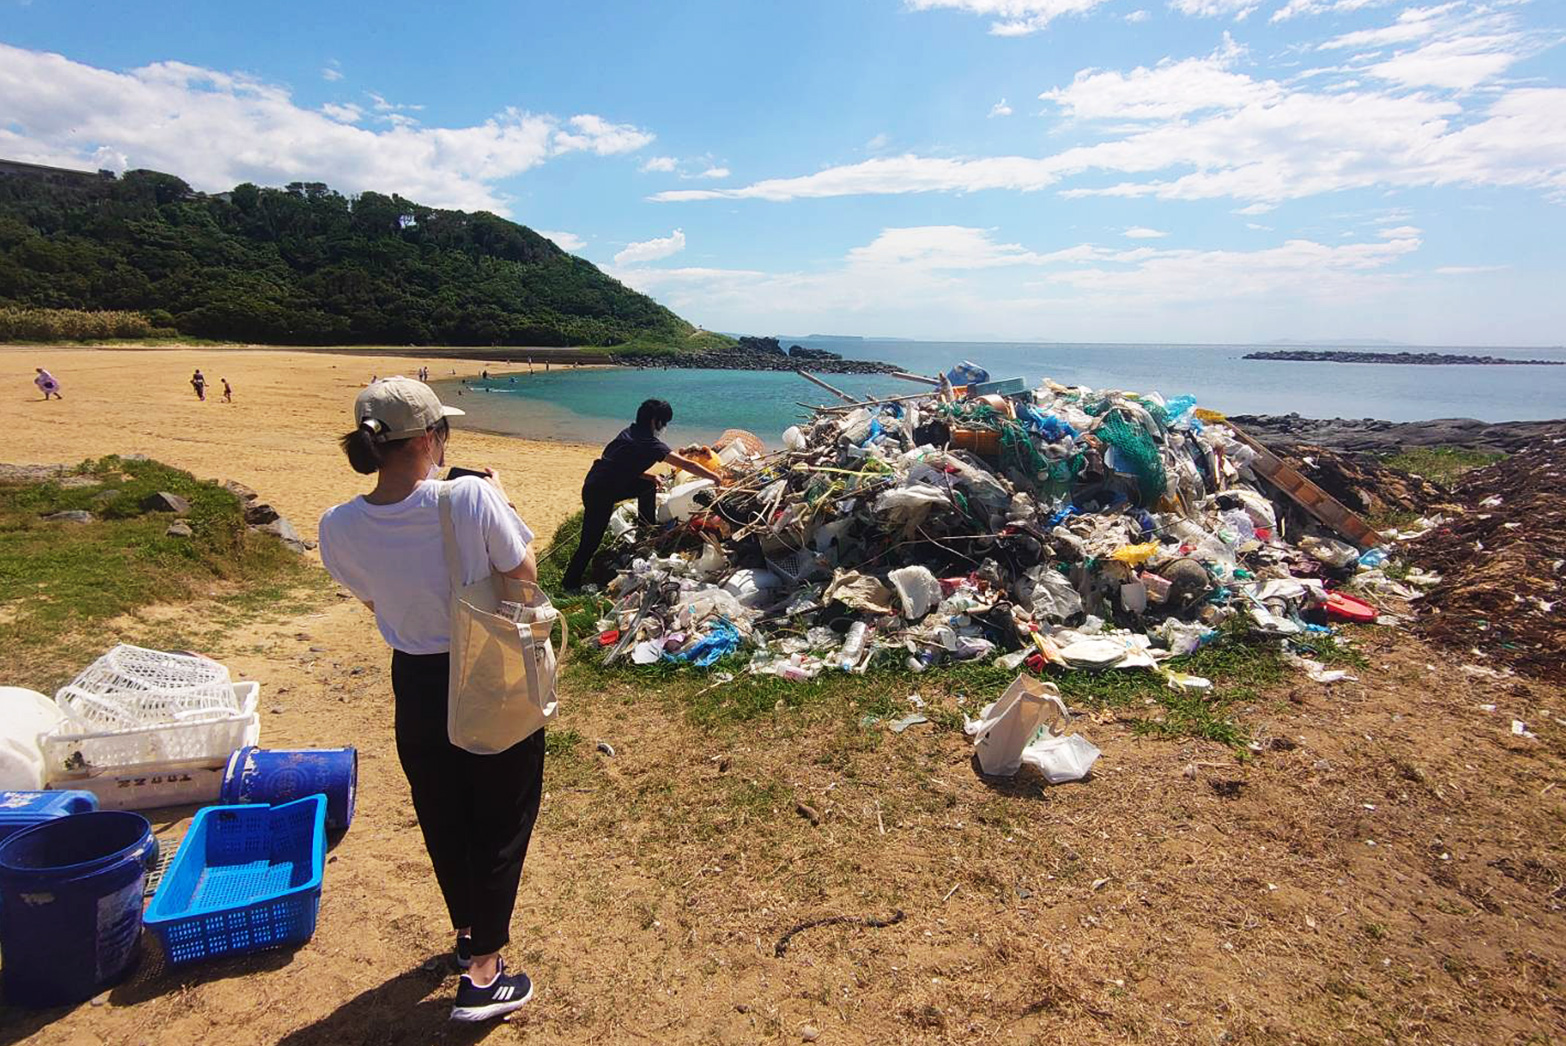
(279, 434)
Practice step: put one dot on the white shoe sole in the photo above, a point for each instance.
(473, 1014)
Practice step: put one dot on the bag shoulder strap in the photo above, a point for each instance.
(448, 533)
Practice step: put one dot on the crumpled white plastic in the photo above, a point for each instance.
(1027, 725)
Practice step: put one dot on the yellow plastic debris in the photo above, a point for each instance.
(1134, 555)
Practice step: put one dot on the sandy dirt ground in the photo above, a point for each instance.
(279, 435)
(1388, 864)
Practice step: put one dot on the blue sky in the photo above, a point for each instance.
(1194, 170)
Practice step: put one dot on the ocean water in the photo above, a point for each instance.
(590, 406)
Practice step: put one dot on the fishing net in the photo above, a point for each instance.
(1137, 453)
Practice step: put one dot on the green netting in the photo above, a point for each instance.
(1136, 451)
(1061, 474)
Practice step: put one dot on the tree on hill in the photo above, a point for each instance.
(307, 265)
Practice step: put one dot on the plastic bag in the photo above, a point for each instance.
(1050, 594)
(723, 639)
(917, 589)
(1027, 725)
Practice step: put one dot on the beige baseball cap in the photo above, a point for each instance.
(400, 408)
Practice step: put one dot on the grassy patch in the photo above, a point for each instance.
(1441, 464)
(65, 581)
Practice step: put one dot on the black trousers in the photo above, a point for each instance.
(476, 811)
(598, 502)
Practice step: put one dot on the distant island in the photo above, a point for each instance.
(1425, 359)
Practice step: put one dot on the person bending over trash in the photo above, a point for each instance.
(620, 473)
(387, 547)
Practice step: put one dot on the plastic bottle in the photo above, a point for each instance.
(853, 645)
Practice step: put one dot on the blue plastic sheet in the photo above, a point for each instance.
(722, 640)
(1046, 425)
(967, 373)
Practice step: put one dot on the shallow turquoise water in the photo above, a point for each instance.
(591, 405)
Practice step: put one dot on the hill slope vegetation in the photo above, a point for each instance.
(306, 265)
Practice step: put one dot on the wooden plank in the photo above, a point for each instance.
(1323, 506)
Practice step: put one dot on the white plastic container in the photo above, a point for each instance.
(132, 686)
(793, 438)
(71, 751)
(24, 715)
(682, 503)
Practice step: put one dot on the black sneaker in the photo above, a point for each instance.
(463, 953)
(508, 993)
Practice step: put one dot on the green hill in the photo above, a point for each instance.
(308, 266)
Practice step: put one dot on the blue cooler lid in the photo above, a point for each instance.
(20, 810)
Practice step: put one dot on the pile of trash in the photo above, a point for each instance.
(978, 520)
(1502, 564)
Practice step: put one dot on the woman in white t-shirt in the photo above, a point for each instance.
(476, 811)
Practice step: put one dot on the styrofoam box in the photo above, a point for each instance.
(147, 787)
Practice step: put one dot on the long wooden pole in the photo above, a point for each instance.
(833, 389)
(920, 378)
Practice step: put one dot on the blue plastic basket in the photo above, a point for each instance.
(246, 878)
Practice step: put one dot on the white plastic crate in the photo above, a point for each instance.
(131, 686)
(72, 750)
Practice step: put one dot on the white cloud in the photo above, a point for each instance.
(1469, 270)
(1198, 128)
(1169, 89)
(1256, 208)
(1140, 15)
(1258, 228)
(1000, 108)
(715, 172)
(661, 164)
(566, 241)
(216, 129)
(878, 143)
(597, 135)
(963, 278)
(1142, 232)
(651, 250)
(331, 73)
(1013, 17)
(1297, 8)
(1239, 9)
(346, 113)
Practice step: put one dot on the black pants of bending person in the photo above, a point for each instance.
(476, 811)
(598, 504)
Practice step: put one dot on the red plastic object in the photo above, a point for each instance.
(1263, 534)
(609, 638)
(1346, 608)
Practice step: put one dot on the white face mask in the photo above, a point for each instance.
(436, 459)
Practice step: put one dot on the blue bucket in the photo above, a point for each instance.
(273, 776)
(70, 905)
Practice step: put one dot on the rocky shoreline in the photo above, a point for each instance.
(760, 354)
(1425, 359)
(1368, 435)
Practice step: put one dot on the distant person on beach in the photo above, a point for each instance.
(387, 547)
(621, 473)
(198, 381)
(47, 384)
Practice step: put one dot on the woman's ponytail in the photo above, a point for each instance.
(364, 454)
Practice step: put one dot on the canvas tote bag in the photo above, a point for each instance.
(502, 683)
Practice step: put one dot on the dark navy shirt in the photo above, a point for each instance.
(627, 456)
